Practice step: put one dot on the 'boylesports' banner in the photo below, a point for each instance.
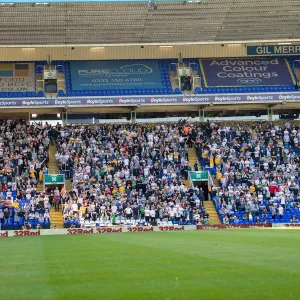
(150, 100)
(246, 72)
(110, 75)
(17, 77)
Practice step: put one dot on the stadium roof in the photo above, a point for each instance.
(102, 23)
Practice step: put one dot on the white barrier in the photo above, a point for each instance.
(286, 225)
(95, 230)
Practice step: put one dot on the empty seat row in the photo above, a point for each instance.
(245, 89)
(116, 92)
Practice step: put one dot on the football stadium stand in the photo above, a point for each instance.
(24, 159)
(256, 167)
(128, 174)
(143, 173)
(125, 173)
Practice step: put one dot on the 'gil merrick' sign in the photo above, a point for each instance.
(273, 50)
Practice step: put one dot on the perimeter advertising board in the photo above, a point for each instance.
(233, 226)
(17, 77)
(151, 100)
(110, 75)
(246, 72)
(95, 230)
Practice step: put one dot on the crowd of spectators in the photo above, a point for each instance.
(138, 173)
(256, 167)
(23, 163)
(128, 174)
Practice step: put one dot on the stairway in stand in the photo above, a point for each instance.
(297, 72)
(53, 169)
(52, 166)
(40, 187)
(55, 216)
(209, 206)
(56, 219)
(69, 185)
(213, 215)
(193, 158)
(186, 183)
(174, 80)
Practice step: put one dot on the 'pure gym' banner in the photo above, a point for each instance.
(246, 72)
(110, 75)
(17, 77)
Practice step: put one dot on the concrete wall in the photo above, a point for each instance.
(120, 52)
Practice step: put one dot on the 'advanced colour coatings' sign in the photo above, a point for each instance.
(17, 77)
(110, 75)
(246, 72)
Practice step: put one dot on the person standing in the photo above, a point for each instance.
(41, 176)
(136, 212)
(142, 211)
(51, 197)
(152, 215)
(56, 202)
(280, 211)
(113, 218)
(56, 199)
(147, 214)
(196, 167)
(273, 210)
(128, 212)
(201, 197)
(120, 213)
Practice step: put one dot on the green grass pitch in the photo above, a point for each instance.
(224, 264)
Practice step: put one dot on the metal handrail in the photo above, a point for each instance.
(190, 179)
(53, 171)
(175, 81)
(210, 180)
(196, 77)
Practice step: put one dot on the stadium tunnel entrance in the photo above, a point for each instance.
(203, 185)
